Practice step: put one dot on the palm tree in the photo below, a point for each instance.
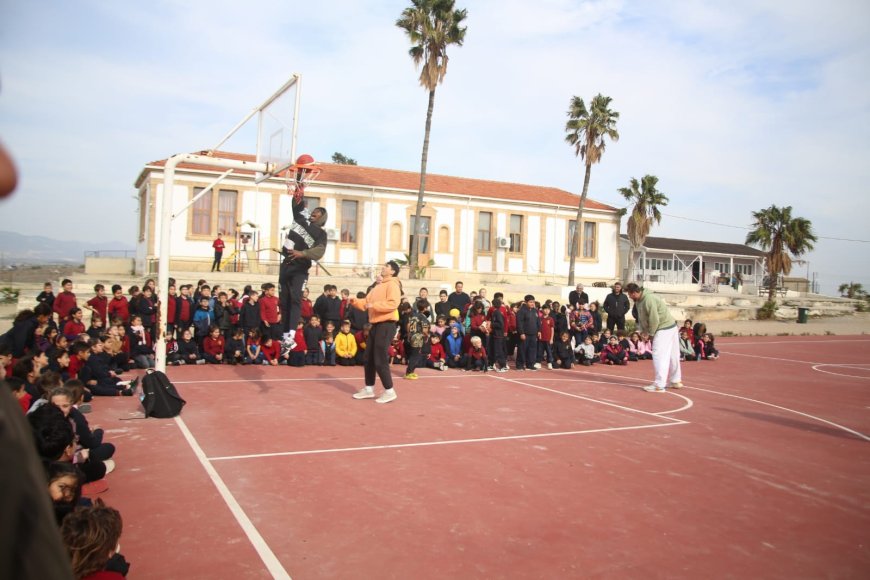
(431, 26)
(647, 200)
(586, 130)
(783, 237)
(852, 290)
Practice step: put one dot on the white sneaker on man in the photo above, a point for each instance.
(365, 393)
(537, 366)
(288, 339)
(387, 396)
(654, 389)
(677, 385)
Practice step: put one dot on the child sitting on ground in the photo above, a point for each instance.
(253, 349)
(213, 346)
(327, 347)
(271, 350)
(188, 352)
(687, 351)
(614, 353)
(586, 354)
(437, 358)
(563, 353)
(705, 349)
(91, 536)
(235, 349)
(476, 360)
(637, 348)
(65, 488)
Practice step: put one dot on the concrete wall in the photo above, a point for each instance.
(121, 266)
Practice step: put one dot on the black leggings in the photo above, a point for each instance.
(377, 359)
(291, 282)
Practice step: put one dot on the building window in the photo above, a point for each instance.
(484, 231)
(348, 221)
(311, 202)
(653, 264)
(744, 269)
(589, 230)
(667, 265)
(396, 236)
(226, 219)
(722, 267)
(585, 245)
(444, 239)
(201, 213)
(423, 242)
(516, 233)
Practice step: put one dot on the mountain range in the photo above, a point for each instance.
(19, 249)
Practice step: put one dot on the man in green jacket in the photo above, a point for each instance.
(654, 318)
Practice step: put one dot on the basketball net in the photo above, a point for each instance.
(298, 177)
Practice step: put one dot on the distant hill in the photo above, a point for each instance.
(18, 249)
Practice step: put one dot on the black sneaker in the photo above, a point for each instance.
(128, 392)
(134, 383)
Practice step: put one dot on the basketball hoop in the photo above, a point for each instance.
(299, 175)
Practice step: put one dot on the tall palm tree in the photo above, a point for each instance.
(431, 26)
(783, 237)
(647, 200)
(586, 130)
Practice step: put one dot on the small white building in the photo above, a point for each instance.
(690, 262)
(511, 231)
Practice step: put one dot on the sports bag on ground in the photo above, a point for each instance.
(159, 396)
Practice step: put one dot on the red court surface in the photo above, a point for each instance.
(759, 468)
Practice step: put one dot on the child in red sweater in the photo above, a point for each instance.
(614, 353)
(437, 356)
(74, 326)
(98, 305)
(297, 354)
(64, 302)
(270, 314)
(271, 350)
(118, 306)
(213, 346)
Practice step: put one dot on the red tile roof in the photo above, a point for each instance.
(410, 181)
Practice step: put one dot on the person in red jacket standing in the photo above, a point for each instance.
(270, 313)
(218, 246)
(98, 305)
(118, 305)
(64, 303)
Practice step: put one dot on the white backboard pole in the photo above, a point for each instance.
(165, 217)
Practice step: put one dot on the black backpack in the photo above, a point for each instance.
(159, 396)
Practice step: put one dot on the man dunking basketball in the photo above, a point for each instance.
(305, 243)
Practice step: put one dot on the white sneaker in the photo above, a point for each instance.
(110, 466)
(200, 361)
(654, 389)
(389, 395)
(502, 370)
(677, 385)
(550, 366)
(288, 340)
(365, 393)
(537, 366)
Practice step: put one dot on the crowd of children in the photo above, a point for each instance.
(55, 365)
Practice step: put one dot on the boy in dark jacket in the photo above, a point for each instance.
(249, 317)
(528, 327)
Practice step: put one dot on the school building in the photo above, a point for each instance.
(504, 231)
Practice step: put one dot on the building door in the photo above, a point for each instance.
(696, 272)
(424, 244)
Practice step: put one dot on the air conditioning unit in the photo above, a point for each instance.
(503, 242)
(332, 233)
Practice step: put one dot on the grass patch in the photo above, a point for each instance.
(767, 311)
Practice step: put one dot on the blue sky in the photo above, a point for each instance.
(733, 105)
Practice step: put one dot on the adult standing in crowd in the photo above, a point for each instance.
(382, 303)
(528, 330)
(578, 297)
(616, 306)
(459, 299)
(218, 246)
(654, 318)
(305, 243)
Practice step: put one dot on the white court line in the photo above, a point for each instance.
(689, 403)
(761, 343)
(805, 362)
(591, 400)
(449, 442)
(838, 426)
(300, 380)
(269, 559)
(848, 367)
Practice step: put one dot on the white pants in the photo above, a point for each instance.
(666, 356)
